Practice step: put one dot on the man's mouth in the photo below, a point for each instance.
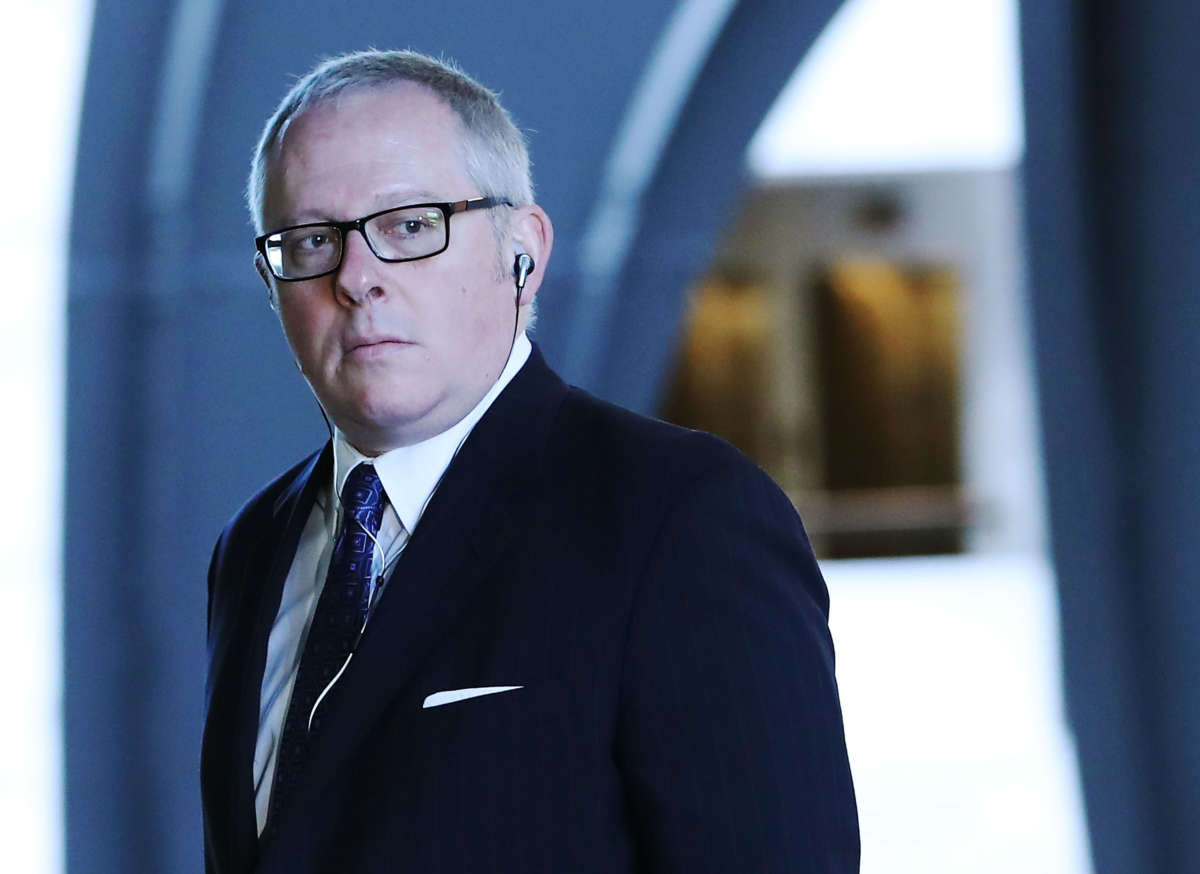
(366, 346)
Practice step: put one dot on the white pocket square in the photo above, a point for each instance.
(437, 699)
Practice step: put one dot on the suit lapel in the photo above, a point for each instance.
(238, 663)
(469, 525)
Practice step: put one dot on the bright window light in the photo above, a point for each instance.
(42, 53)
(900, 85)
(949, 675)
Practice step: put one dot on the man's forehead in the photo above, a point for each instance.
(389, 111)
(376, 142)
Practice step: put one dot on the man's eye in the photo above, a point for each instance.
(315, 240)
(405, 226)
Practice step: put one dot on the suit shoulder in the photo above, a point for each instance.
(261, 506)
(647, 448)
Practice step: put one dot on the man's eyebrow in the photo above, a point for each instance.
(384, 199)
(403, 196)
(304, 217)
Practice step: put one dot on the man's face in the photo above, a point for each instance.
(396, 353)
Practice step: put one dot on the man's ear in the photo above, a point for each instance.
(532, 233)
(268, 280)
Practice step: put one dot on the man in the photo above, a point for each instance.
(494, 625)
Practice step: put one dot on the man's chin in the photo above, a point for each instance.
(378, 427)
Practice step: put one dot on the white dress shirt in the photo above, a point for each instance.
(410, 475)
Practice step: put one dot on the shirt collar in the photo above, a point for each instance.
(410, 474)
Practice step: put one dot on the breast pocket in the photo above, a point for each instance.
(455, 696)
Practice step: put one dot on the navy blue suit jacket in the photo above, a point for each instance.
(651, 590)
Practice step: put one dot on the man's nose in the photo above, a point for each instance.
(358, 279)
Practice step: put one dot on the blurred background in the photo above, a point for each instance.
(932, 263)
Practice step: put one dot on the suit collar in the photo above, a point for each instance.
(312, 474)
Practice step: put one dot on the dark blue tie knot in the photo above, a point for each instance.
(363, 498)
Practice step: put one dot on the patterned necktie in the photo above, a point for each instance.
(336, 623)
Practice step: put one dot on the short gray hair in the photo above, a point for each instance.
(494, 150)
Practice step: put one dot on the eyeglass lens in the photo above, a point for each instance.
(402, 234)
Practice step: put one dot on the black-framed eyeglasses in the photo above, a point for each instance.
(403, 233)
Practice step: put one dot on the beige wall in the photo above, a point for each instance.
(967, 220)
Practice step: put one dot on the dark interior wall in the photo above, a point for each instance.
(182, 399)
(128, 716)
(1113, 131)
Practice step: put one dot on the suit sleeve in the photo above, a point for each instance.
(730, 736)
